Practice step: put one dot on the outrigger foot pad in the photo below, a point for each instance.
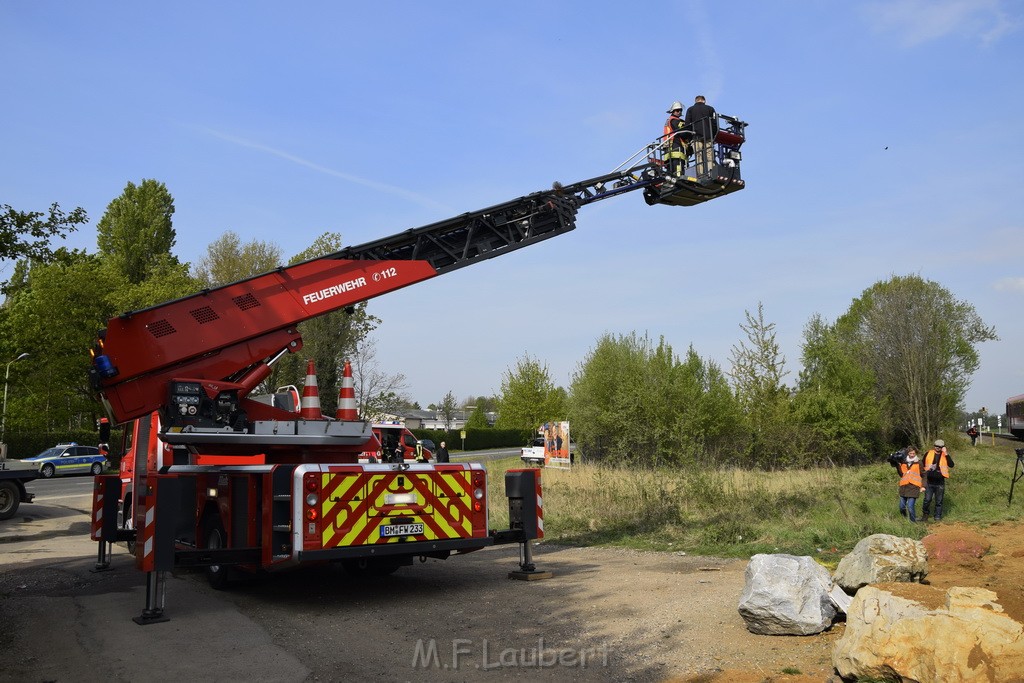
(527, 570)
(530, 575)
(150, 617)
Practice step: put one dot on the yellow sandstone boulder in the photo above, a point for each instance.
(913, 632)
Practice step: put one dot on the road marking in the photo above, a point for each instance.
(39, 499)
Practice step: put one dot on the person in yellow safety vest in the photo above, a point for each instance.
(911, 485)
(937, 463)
(420, 457)
(676, 134)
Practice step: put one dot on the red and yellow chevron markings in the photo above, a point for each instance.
(356, 504)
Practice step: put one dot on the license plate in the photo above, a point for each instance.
(393, 530)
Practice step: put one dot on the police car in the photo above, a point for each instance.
(70, 458)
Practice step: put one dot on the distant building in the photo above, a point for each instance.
(426, 419)
(432, 419)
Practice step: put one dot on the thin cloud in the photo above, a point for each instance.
(425, 202)
(1010, 284)
(920, 21)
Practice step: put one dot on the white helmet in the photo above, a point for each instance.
(675, 105)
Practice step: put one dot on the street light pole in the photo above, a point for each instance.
(3, 417)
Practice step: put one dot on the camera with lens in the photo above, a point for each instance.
(900, 457)
(1019, 452)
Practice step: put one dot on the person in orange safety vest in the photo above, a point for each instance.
(674, 139)
(911, 484)
(937, 464)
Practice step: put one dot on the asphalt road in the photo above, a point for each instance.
(67, 489)
(484, 456)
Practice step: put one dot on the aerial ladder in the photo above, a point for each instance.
(288, 490)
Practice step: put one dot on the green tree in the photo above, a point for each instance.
(228, 260)
(919, 342)
(478, 418)
(634, 400)
(27, 234)
(528, 396)
(835, 402)
(489, 404)
(166, 280)
(757, 372)
(708, 414)
(54, 317)
(136, 229)
(446, 408)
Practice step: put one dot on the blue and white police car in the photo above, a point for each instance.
(70, 458)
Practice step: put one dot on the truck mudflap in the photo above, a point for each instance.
(369, 510)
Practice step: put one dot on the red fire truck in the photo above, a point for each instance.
(216, 477)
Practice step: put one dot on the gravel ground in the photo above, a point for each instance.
(606, 615)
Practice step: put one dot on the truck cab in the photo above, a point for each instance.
(391, 435)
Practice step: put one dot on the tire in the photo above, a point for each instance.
(96, 469)
(48, 470)
(10, 499)
(128, 522)
(214, 537)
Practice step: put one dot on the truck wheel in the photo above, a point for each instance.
(47, 471)
(97, 469)
(128, 522)
(216, 575)
(10, 499)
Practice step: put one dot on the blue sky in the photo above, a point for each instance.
(885, 138)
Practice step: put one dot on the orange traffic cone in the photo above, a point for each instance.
(310, 395)
(347, 396)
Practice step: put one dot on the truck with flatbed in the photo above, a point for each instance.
(14, 474)
(221, 479)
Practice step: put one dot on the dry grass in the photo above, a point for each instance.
(819, 511)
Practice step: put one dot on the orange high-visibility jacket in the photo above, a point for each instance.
(911, 474)
(943, 467)
(674, 125)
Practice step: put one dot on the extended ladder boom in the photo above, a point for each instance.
(230, 335)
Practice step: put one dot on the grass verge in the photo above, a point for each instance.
(736, 513)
